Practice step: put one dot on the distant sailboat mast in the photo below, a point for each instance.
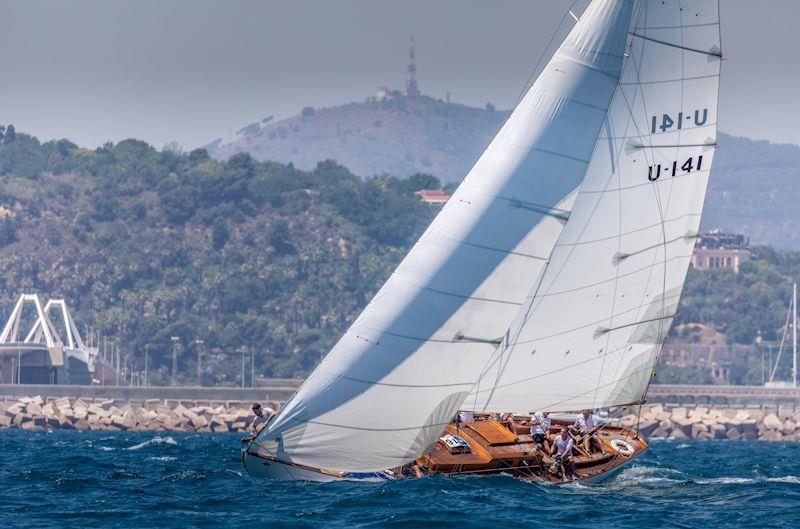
(791, 320)
(794, 335)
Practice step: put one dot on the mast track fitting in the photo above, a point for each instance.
(714, 53)
(601, 331)
(620, 256)
(559, 214)
(460, 337)
(633, 146)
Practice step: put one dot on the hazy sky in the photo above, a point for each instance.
(192, 70)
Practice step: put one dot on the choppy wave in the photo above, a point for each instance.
(157, 440)
(136, 479)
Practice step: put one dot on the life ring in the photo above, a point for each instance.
(622, 447)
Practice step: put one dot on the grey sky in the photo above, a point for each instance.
(191, 70)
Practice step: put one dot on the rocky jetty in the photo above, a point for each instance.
(120, 414)
(775, 423)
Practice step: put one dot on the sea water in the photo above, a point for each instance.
(179, 480)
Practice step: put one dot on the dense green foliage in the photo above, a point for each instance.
(148, 244)
(753, 190)
(745, 304)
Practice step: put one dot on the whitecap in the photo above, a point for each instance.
(642, 475)
(726, 481)
(161, 458)
(785, 479)
(157, 440)
(682, 446)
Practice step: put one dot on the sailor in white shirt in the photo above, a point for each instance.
(585, 423)
(263, 415)
(540, 423)
(563, 454)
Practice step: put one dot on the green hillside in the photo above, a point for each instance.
(751, 191)
(148, 244)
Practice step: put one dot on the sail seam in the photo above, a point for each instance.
(560, 369)
(500, 250)
(590, 324)
(603, 282)
(615, 381)
(389, 384)
(645, 228)
(455, 295)
(596, 191)
(656, 134)
(545, 151)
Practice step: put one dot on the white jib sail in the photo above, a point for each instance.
(387, 389)
(593, 326)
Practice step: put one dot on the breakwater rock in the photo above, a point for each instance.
(121, 414)
(776, 423)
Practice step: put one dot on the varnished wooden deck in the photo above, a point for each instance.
(495, 449)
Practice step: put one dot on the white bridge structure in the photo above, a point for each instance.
(46, 353)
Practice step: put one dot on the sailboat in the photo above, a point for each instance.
(549, 280)
(791, 321)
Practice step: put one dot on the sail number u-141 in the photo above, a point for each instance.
(668, 121)
(654, 171)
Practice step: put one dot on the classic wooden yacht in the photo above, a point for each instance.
(548, 281)
(486, 447)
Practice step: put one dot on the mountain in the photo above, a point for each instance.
(752, 189)
(399, 135)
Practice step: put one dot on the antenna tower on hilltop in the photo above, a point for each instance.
(411, 88)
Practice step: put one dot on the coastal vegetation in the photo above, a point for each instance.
(256, 258)
(147, 244)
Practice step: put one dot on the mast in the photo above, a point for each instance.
(418, 347)
(794, 335)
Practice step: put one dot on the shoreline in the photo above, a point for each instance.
(672, 421)
(116, 414)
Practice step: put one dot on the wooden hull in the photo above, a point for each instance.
(493, 450)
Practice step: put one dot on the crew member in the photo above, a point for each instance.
(540, 423)
(585, 423)
(563, 465)
(508, 420)
(262, 417)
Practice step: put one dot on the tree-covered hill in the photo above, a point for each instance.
(148, 244)
(751, 190)
(400, 136)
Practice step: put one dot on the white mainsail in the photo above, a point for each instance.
(593, 326)
(386, 390)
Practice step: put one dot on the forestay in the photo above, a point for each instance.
(385, 392)
(592, 327)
